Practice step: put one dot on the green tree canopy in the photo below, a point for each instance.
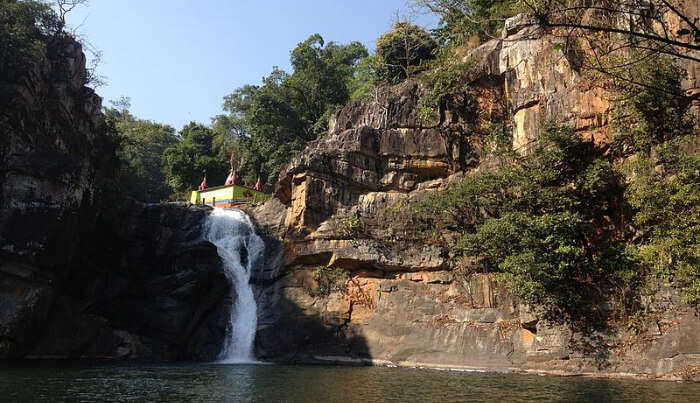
(402, 48)
(26, 28)
(185, 162)
(142, 144)
(269, 123)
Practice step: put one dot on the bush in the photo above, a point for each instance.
(649, 115)
(26, 28)
(539, 221)
(402, 48)
(665, 195)
(329, 280)
(445, 79)
(350, 227)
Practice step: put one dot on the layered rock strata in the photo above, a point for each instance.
(408, 302)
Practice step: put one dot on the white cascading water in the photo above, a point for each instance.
(232, 232)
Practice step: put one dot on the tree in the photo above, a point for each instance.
(269, 123)
(141, 146)
(646, 23)
(649, 22)
(185, 162)
(609, 38)
(664, 187)
(66, 6)
(26, 30)
(655, 113)
(460, 20)
(539, 221)
(402, 48)
(366, 77)
(605, 38)
(665, 196)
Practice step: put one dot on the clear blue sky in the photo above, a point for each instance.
(176, 59)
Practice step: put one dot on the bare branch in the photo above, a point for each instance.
(66, 6)
(683, 17)
(595, 28)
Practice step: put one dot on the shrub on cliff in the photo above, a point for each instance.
(665, 196)
(542, 221)
(328, 280)
(401, 50)
(648, 115)
(655, 129)
(26, 28)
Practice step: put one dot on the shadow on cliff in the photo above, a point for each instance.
(291, 333)
(145, 287)
(295, 336)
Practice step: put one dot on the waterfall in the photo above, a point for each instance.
(240, 249)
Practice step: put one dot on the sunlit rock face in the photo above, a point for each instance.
(380, 147)
(410, 302)
(541, 83)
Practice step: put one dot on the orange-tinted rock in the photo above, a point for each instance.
(405, 302)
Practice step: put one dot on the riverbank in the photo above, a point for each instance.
(690, 376)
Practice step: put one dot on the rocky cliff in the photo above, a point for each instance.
(85, 275)
(405, 302)
(82, 274)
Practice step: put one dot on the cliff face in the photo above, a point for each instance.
(51, 151)
(80, 274)
(404, 302)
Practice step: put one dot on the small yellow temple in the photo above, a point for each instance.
(227, 196)
(230, 194)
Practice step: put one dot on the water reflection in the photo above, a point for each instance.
(268, 383)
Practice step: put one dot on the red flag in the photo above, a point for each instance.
(258, 185)
(204, 184)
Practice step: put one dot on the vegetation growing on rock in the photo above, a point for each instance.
(542, 221)
(350, 227)
(561, 224)
(271, 122)
(403, 49)
(141, 148)
(665, 196)
(328, 279)
(27, 28)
